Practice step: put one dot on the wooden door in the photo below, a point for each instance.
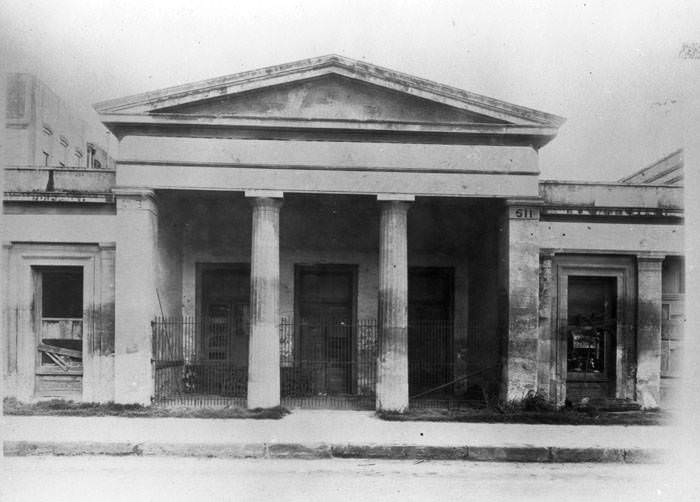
(225, 304)
(325, 310)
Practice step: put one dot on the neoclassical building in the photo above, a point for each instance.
(332, 233)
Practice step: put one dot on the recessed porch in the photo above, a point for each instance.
(328, 288)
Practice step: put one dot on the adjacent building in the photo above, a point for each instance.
(331, 233)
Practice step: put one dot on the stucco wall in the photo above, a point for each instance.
(327, 166)
(611, 237)
(618, 195)
(92, 228)
(331, 97)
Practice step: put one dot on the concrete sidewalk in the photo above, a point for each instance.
(328, 434)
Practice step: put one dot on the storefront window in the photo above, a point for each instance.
(591, 325)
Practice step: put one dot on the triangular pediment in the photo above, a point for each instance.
(328, 88)
(330, 97)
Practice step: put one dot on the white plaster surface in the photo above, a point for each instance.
(59, 228)
(611, 237)
(297, 180)
(405, 156)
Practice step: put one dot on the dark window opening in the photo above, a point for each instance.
(673, 275)
(62, 292)
(61, 331)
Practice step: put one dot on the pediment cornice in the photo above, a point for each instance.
(149, 104)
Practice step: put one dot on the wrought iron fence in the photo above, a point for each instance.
(326, 363)
(200, 361)
(323, 363)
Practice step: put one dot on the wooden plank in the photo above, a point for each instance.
(75, 354)
(57, 360)
(59, 386)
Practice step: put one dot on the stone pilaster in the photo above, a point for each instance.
(135, 294)
(264, 347)
(392, 366)
(520, 280)
(649, 330)
(548, 382)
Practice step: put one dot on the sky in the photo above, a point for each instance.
(611, 68)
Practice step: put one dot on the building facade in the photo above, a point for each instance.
(328, 231)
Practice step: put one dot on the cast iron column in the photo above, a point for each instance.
(264, 346)
(392, 367)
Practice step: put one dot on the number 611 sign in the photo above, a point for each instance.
(524, 213)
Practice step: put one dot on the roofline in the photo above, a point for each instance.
(606, 183)
(654, 164)
(330, 61)
(116, 120)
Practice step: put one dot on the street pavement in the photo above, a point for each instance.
(173, 479)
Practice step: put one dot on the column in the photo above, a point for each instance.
(649, 330)
(135, 294)
(264, 346)
(392, 367)
(520, 284)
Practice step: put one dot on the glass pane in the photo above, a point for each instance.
(591, 324)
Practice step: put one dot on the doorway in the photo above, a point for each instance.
(59, 312)
(594, 352)
(591, 337)
(430, 330)
(224, 307)
(325, 313)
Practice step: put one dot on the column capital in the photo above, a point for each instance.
(264, 194)
(547, 253)
(650, 257)
(134, 192)
(395, 197)
(136, 198)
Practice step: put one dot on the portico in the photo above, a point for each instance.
(385, 145)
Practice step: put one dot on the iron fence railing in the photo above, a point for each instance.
(323, 363)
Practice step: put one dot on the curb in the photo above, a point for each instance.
(552, 454)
